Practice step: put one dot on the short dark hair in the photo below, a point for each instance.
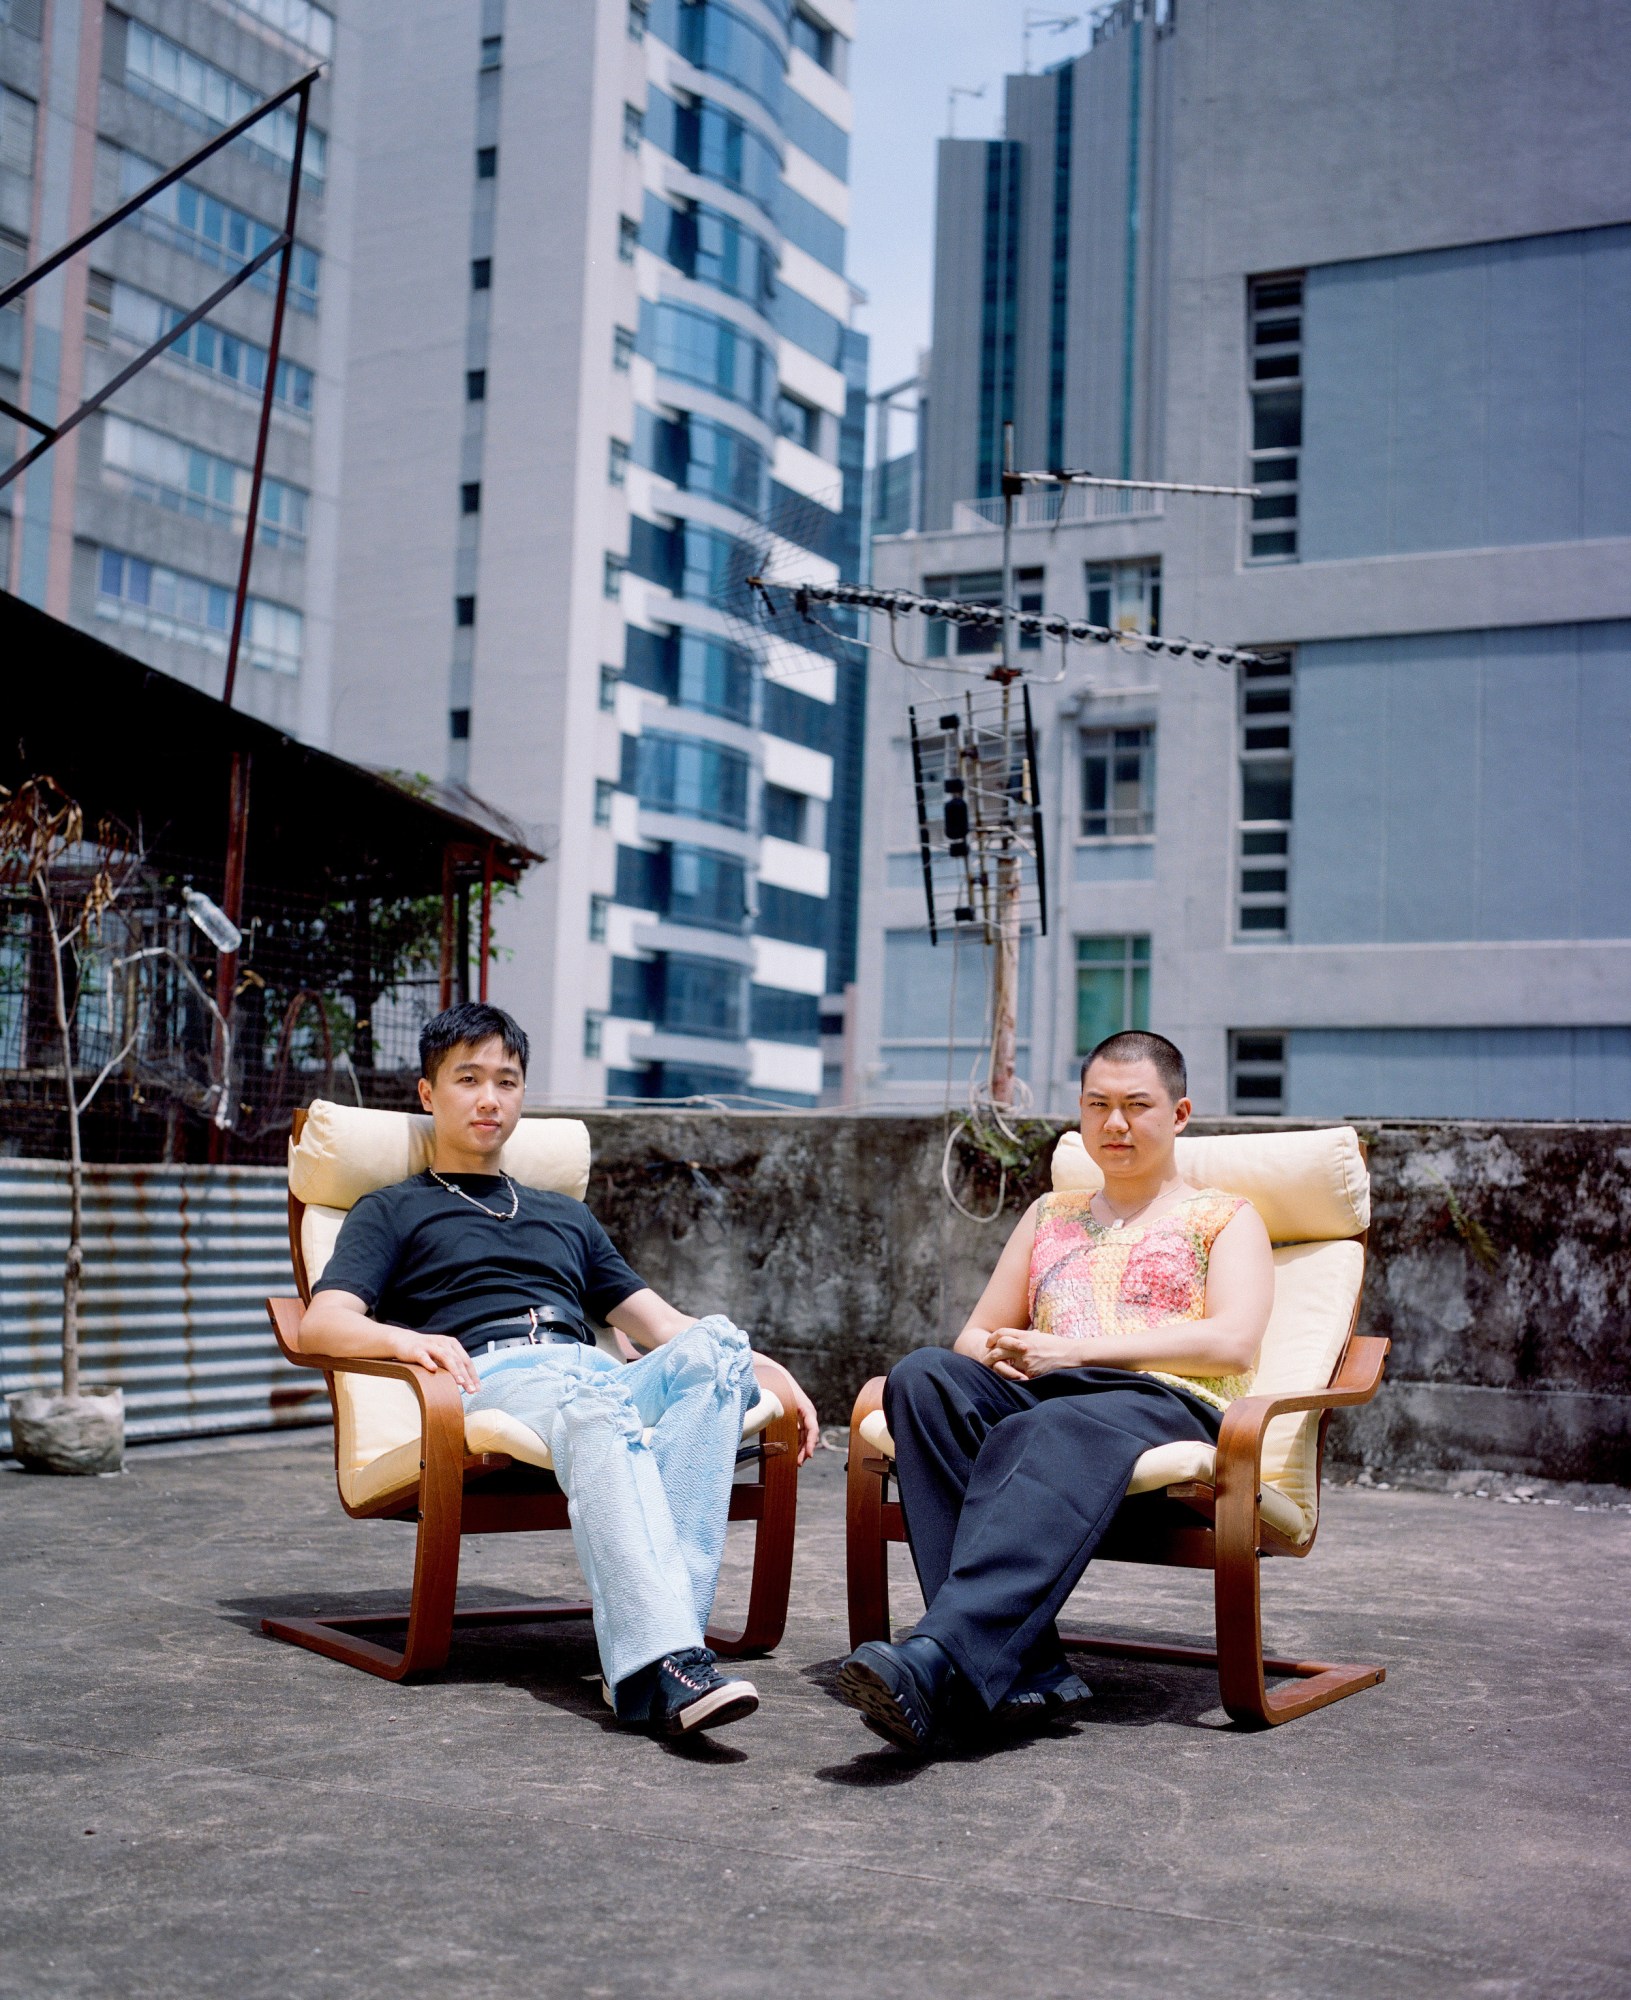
(470, 1023)
(1137, 1045)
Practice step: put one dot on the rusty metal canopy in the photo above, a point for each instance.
(133, 743)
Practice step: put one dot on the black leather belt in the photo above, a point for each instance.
(538, 1326)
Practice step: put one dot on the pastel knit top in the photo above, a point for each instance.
(1089, 1277)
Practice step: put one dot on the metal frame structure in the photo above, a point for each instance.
(281, 247)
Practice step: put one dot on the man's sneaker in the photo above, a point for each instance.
(682, 1694)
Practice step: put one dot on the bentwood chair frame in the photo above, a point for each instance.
(456, 1492)
(1190, 1525)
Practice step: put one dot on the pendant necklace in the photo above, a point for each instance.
(496, 1214)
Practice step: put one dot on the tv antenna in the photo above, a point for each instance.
(1039, 20)
(979, 806)
(958, 90)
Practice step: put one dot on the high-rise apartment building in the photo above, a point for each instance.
(1374, 259)
(132, 526)
(602, 370)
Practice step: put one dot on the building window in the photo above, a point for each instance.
(174, 605)
(203, 95)
(783, 813)
(1276, 348)
(598, 906)
(464, 611)
(638, 11)
(492, 51)
(1118, 784)
(486, 163)
(704, 996)
(197, 223)
(458, 725)
(799, 421)
(1257, 1073)
(604, 790)
(609, 678)
(481, 274)
(475, 385)
(634, 126)
(982, 586)
(1112, 988)
(687, 775)
(791, 915)
(778, 1016)
(622, 347)
(1125, 597)
(628, 238)
(814, 38)
(185, 480)
(715, 353)
(617, 462)
(141, 318)
(591, 1037)
(1028, 595)
(470, 497)
(611, 582)
(1265, 797)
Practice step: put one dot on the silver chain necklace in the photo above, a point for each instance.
(453, 1188)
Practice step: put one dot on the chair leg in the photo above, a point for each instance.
(777, 1517)
(866, 1552)
(435, 1585)
(1246, 1695)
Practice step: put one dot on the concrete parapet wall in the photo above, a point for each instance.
(1500, 1266)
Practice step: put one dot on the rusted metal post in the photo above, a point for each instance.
(445, 993)
(232, 902)
(486, 919)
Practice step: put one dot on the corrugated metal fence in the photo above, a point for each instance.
(178, 1264)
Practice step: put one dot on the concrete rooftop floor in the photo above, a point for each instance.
(187, 1807)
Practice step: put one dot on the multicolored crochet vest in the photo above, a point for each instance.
(1089, 1277)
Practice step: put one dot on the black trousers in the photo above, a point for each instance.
(1007, 1489)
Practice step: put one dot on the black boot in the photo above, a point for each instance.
(902, 1691)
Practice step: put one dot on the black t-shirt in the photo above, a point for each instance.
(423, 1258)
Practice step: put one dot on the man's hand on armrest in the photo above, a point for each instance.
(337, 1323)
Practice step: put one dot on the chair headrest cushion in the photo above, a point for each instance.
(1309, 1187)
(346, 1152)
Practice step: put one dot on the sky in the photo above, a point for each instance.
(907, 56)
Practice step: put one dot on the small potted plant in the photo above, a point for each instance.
(43, 849)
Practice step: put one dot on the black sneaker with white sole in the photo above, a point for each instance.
(681, 1694)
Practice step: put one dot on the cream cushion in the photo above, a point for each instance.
(1307, 1186)
(1313, 1193)
(346, 1152)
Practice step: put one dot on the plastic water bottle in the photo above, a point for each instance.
(212, 920)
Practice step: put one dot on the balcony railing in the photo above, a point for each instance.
(1045, 506)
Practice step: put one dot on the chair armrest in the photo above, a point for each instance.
(870, 1399)
(1240, 1437)
(441, 1406)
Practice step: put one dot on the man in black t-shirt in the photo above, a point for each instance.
(462, 1269)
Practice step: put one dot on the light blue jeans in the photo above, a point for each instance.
(648, 1519)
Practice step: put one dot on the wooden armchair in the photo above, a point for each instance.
(1256, 1493)
(404, 1450)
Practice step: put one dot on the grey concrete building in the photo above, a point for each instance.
(1377, 259)
(601, 370)
(132, 526)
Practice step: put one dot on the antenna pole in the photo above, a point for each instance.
(1005, 967)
